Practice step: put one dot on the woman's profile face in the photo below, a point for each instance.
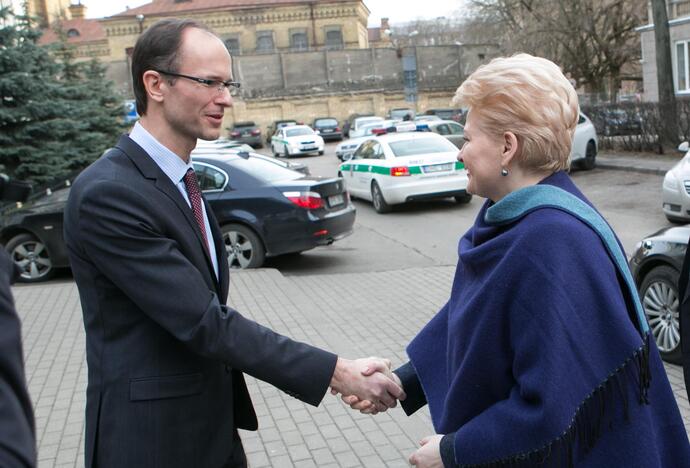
(481, 155)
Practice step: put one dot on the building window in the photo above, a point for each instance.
(334, 39)
(264, 42)
(233, 45)
(72, 33)
(682, 84)
(298, 41)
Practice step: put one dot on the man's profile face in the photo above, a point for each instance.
(192, 109)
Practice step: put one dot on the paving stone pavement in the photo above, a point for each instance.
(354, 315)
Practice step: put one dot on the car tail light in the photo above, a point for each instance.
(256, 132)
(400, 171)
(337, 129)
(322, 232)
(235, 133)
(379, 131)
(307, 200)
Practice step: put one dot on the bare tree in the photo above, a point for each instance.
(664, 73)
(591, 39)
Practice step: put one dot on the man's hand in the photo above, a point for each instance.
(367, 406)
(369, 380)
(429, 454)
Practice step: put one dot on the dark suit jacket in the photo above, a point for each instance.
(164, 352)
(684, 312)
(17, 433)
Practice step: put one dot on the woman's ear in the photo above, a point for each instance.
(153, 82)
(510, 148)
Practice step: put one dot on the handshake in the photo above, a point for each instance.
(367, 384)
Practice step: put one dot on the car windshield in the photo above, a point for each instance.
(416, 146)
(400, 113)
(265, 170)
(325, 122)
(299, 132)
(367, 120)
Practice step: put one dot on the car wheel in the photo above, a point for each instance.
(659, 295)
(462, 199)
(32, 257)
(320, 153)
(589, 161)
(245, 249)
(286, 153)
(377, 199)
(274, 152)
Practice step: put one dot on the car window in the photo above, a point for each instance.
(299, 132)
(365, 150)
(442, 129)
(325, 122)
(416, 146)
(456, 129)
(209, 177)
(377, 151)
(581, 120)
(266, 171)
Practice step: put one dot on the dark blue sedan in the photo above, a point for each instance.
(263, 208)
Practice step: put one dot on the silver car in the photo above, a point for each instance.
(676, 189)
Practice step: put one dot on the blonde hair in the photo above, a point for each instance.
(530, 97)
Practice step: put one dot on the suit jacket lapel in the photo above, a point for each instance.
(151, 171)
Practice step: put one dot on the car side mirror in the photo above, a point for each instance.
(684, 147)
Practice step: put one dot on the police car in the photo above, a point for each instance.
(294, 140)
(394, 167)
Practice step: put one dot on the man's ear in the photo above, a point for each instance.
(153, 83)
(510, 148)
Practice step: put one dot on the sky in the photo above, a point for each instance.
(398, 11)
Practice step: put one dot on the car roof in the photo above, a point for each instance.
(403, 136)
(434, 123)
(292, 127)
(248, 123)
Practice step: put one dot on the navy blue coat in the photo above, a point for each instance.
(164, 352)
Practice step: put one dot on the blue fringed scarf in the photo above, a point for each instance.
(542, 352)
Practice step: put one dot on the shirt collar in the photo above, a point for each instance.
(171, 164)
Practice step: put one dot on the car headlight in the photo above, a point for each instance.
(670, 182)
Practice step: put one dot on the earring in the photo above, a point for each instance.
(504, 172)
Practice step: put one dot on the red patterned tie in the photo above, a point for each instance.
(191, 183)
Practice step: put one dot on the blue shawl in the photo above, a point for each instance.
(542, 355)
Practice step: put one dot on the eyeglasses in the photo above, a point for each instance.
(232, 86)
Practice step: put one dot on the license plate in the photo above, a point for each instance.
(308, 148)
(438, 168)
(327, 130)
(246, 134)
(335, 200)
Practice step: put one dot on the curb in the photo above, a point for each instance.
(641, 169)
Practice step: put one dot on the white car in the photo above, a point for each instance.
(584, 151)
(294, 140)
(405, 166)
(345, 149)
(356, 130)
(675, 197)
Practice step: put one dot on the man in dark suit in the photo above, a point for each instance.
(17, 432)
(166, 356)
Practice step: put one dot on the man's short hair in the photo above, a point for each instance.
(158, 49)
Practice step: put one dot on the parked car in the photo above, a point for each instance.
(347, 125)
(220, 149)
(675, 191)
(585, 144)
(295, 140)
(273, 128)
(328, 128)
(247, 132)
(400, 167)
(448, 129)
(357, 124)
(446, 114)
(263, 208)
(345, 149)
(223, 143)
(426, 118)
(401, 113)
(655, 265)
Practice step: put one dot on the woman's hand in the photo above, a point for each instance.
(429, 454)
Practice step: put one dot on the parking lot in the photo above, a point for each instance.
(367, 294)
